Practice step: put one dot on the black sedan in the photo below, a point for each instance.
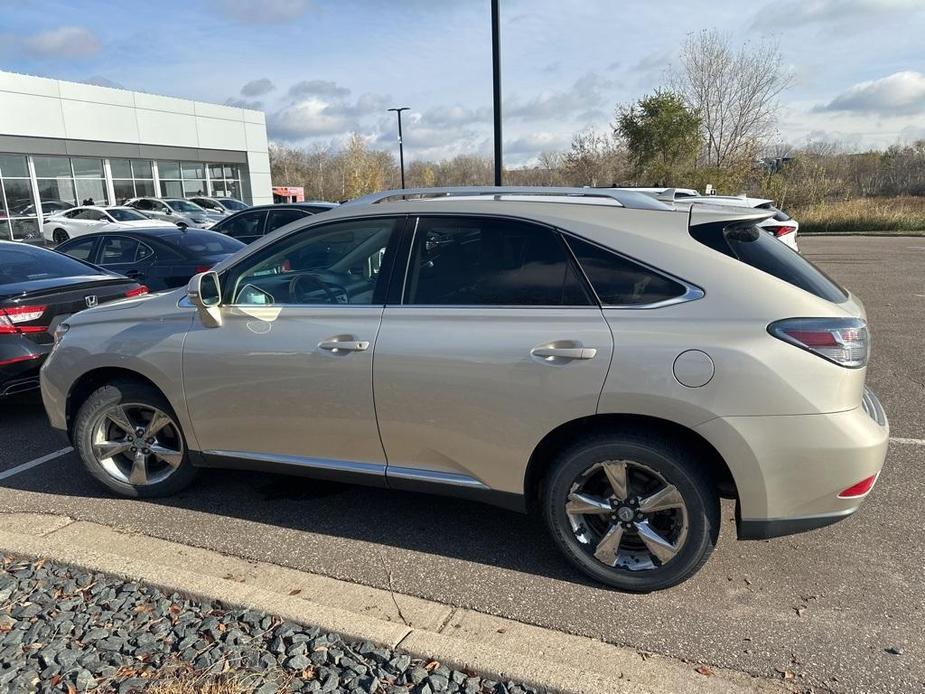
(161, 258)
(39, 289)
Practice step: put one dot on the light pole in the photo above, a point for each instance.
(496, 84)
(401, 147)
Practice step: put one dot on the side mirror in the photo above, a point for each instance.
(168, 211)
(205, 293)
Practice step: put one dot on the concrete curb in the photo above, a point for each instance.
(500, 648)
(904, 234)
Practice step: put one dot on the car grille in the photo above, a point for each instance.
(873, 407)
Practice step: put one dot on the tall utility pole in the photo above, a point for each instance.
(496, 83)
(401, 147)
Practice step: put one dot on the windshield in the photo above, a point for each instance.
(125, 215)
(232, 204)
(27, 263)
(184, 206)
(207, 242)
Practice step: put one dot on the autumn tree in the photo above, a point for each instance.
(662, 137)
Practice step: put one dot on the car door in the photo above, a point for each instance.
(91, 220)
(496, 342)
(127, 256)
(287, 378)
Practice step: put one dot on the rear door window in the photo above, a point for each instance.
(752, 246)
(483, 261)
(619, 281)
(279, 218)
(245, 227)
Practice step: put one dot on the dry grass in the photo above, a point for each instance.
(863, 214)
(200, 684)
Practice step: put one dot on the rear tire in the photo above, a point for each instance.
(129, 438)
(59, 236)
(594, 501)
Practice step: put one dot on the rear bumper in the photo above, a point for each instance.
(789, 470)
(20, 361)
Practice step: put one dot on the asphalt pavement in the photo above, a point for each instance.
(837, 609)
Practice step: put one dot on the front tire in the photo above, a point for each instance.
(129, 438)
(632, 511)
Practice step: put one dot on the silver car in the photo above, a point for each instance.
(178, 211)
(589, 356)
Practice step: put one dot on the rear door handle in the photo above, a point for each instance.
(564, 352)
(335, 345)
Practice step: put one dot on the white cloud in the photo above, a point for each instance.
(317, 88)
(899, 94)
(258, 87)
(63, 42)
(262, 12)
(254, 104)
(307, 118)
(797, 12)
(585, 95)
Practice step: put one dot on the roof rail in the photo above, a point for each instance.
(624, 198)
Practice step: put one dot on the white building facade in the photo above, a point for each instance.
(66, 143)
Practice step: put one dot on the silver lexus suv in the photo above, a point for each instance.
(599, 358)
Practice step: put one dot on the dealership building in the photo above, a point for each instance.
(66, 143)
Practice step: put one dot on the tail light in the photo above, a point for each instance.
(140, 290)
(780, 230)
(843, 341)
(862, 488)
(10, 319)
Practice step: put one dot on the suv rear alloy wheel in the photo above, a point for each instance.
(128, 438)
(632, 512)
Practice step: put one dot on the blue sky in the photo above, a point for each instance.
(321, 69)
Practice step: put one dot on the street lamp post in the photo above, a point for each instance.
(401, 147)
(496, 84)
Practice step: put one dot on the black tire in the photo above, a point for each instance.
(59, 236)
(128, 392)
(677, 466)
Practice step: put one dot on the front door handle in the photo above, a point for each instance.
(337, 345)
(564, 352)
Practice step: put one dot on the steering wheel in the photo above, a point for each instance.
(297, 292)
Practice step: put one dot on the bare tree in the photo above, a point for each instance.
(734, 90)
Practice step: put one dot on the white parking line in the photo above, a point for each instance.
(6, 474)
(911, 442)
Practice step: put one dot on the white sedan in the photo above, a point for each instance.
(85, 219)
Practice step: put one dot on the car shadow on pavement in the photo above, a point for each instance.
(430, 524)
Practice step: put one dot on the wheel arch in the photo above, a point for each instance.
(90, 381)
(545, 452)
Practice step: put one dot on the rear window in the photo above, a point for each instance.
(28, 263)
(764, 252)
(207, 242)
(619, 281)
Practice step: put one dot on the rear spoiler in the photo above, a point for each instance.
(703, 213)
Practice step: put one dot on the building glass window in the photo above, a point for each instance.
(18, 220)
(131, 178)
(225, 180)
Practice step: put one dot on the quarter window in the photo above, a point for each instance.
(337, 263)
(118, 249)
(619, 281)
(483, 261)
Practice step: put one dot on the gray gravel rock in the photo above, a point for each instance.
(99, 633)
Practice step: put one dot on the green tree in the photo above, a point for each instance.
(662, 137)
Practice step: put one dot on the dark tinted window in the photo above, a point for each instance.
(279, 218)
(460, 261)
(232, 204)
(244, 226)
(122, 249)
(621, 282)
(126, 215)
(764, 252)
(205, 242)
(80, 248)
(21, 264)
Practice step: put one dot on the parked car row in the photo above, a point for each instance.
(598, 364)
